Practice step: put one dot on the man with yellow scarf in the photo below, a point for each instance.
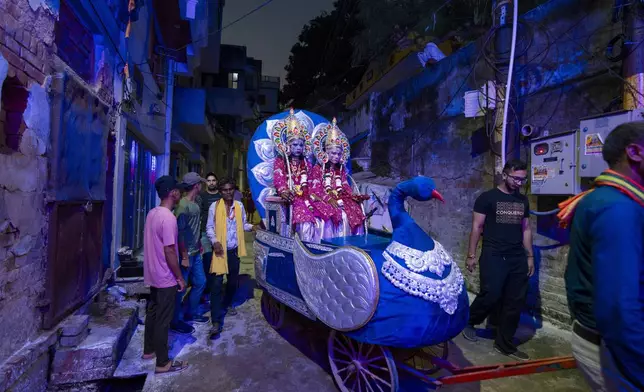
(225, 229)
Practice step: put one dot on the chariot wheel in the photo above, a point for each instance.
(361, 367)
(273, 310)
(421, 359)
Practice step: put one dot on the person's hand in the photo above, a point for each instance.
(287, 195)
(530, 266)
(333, 203)
(218, 249)
(315, 198)
(471, 264)
(255, 228)
(360, 198)
(182, 284)
(185, 262)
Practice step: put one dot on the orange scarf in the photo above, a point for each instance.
(608, 178)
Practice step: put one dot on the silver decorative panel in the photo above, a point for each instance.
(340, 287)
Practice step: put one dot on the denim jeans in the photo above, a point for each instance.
(220, 301)
(207, 260)
(197, 278)
(598, 367)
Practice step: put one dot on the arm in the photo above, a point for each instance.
(617, 255)
(317, 189)
(170, 253)
(168, 230)
(527, 238)
(279, 175)
(345, 184)
(210, 224)
(183, 229)
(478, 221)
(247, 226)
(527, 244)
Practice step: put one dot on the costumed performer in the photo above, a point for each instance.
(330, 181)
(291, 176)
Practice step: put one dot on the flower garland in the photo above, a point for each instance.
(298, 169)
(331, 177)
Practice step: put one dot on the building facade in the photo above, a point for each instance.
(86, 125)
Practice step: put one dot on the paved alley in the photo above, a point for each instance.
(251, 356)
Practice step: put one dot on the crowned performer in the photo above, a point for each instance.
(291, 176)
(330, 181)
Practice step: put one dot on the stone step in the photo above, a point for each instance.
(98, 355)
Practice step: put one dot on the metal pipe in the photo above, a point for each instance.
(508, 85)
(634, 62)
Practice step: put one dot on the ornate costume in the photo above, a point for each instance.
(330, 181)
(291, 175)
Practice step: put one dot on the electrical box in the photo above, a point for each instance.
(553, 168)
(593, 132)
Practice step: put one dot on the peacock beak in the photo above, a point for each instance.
(437, 195)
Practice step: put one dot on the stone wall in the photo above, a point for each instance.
(26, 39)
(418, 127)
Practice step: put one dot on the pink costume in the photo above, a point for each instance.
(330, 182)
(335, 185)
(331, 216)
(306, 218)
(301, 212)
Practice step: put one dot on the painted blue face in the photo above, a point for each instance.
(297, 147)
(335, 155)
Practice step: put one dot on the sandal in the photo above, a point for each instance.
(175, 366)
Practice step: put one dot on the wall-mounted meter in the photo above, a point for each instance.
(552, 170)
(593, 132)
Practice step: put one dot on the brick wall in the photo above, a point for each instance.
(26, 41)
(560, 85)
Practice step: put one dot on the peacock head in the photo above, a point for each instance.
(425, 189)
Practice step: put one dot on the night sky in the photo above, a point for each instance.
(270, 32)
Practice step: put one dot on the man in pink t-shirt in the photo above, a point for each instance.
(162, 273)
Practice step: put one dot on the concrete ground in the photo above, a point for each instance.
(251, 356)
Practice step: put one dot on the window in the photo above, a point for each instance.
(261, 99)
(233, 80)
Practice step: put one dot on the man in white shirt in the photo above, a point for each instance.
(228, 245)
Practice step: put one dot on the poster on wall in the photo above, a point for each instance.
(539, 173)
(593, 144)
(377, 207)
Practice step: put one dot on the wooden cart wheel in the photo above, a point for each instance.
(361, 367)
(421, 359)
(273, 310)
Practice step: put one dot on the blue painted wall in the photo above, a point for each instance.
(189, 106)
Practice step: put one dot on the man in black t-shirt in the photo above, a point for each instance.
(205, 200)
(501, 216)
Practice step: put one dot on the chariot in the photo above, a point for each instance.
(392, 301)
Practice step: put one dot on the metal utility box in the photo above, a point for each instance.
(593, 132)
(552, 170)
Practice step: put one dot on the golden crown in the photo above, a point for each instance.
(334, 136)
(294, 128)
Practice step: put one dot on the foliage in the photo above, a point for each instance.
(319, 69)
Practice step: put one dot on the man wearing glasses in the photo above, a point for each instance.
(502, 217)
